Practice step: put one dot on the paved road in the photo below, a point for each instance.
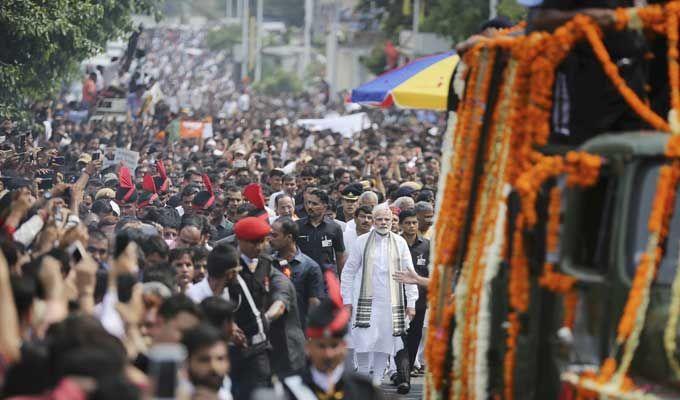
(415, 393)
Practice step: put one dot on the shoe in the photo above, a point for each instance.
(403, 388)
(394, 378)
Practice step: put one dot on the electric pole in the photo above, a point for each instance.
(245, 36)
(332, 51)
(258, 41)
(306, 56)
(493, 4)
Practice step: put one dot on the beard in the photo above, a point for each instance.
(382, 231)
(211, 381)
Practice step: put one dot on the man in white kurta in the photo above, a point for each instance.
(377, 338)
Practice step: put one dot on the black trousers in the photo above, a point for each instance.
(406, 357)
(414, 334)
(248, 374)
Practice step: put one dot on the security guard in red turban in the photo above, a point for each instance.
(260, 286)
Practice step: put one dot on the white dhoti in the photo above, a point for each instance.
(378, 337)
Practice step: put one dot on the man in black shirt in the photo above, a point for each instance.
(420, 254)
(300, 268)
(325, 376)
(586, 102)
(320, 238)
(259, 287)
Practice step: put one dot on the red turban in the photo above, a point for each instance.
(251, 228)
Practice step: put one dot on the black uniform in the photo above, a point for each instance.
(287, 338)
(420, 253)
(321, 243)
(350, 386)
(254, 368)
(405, 358)
(586, 103)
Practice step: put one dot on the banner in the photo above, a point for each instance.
(346, 125)
(128, 158)
(195, 129)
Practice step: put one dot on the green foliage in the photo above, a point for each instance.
(41, 42)
(468, 16)
(456, 19)
(512, 10)
(375, 61)
(224, 38)
(279, 82)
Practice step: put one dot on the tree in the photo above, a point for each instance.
(512, 10)
(279, 82)
(459, 19)
(456, 19)
(41, 42)
(224, 38)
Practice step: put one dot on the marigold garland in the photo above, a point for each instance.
(582, 169)
(482, 239)
(633, 317)
(659, 218)
(551, 279)
(669, 340)
(529, 183)
(536, 58)
(593, 34)
(457, 190)
(673, 67)
(518, 291)
(673, 147)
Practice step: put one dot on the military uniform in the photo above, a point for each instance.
(254, 368)
(326, 322)
(253, 292)
(349, 386)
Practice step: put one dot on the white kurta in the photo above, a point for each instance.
(378, 337)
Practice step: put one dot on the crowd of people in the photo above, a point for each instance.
(263, 261)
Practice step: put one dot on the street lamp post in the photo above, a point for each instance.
(493, 4)
(306, 56)
(258, 41)
(245, 36)
(332, 50)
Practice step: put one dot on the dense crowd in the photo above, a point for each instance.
(230, 244)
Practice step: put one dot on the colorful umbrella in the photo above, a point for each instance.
(421, 84)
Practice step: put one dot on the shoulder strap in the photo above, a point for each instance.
(251, 303)
(296, 386)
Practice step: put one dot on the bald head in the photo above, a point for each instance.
(189, 236)
(368, 199)
(405, 203)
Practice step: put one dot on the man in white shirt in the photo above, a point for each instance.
(289, 187)
(363, 223)
(223, 267)
(381, 307)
